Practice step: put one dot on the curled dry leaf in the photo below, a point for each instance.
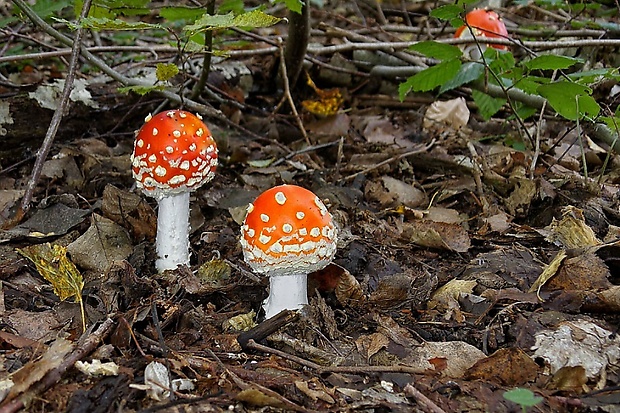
(570, 379)
(520, 199)
(391, 192)
(131, 211)
(453, 113)
(507, 366)
(241, 322)
(570, 275)
(457, 357)
(548, 272)
(439, 235)
(392, 291)
(348, 290)
(369, 345)
(256, 397)
(316, 390)
(446, 298)
(103, 243)
(572, 231)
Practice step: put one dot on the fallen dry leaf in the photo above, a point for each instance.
(437, 235)
(570, 275)
(578, 343)
(572, 231)
(53, 265)
(458, 356)
(369, 345)
(507, 366)
(33, 371)
(453, 113)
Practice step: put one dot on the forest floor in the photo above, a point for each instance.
(468, 263)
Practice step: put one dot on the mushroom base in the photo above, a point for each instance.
(172, 232)
(286, 292)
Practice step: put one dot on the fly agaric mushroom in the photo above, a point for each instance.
(483, 23)
(174, 154)
(287, 233)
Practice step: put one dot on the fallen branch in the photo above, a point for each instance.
(86, 345)
(24, 207)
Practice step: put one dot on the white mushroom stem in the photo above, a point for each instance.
(172, 232)
(286, 292)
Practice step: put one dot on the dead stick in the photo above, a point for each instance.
(334, 369)
(424, 402)
(55, 123)
(289, 97)
(243, 385)
(392, 159)
(88, 343)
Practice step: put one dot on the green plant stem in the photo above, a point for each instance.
(206, 61)
(297, 42)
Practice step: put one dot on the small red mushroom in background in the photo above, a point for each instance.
(287, 233)
(174, 154)
(483, 23)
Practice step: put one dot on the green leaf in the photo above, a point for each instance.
(46, 8)
(594, 75)
(522, 397)
(103, 23)
(570, 100)
(437, 50)
(294, 5)
(112, 8)
(487, 105)
(468, 72)
(209, 21)
(551, 62)
(430, 78)
(612, 122)
(236, 6)
(447, 12)
(140, 89)
(499, 61)
(255, 18)
(166, 71)
(181, 13)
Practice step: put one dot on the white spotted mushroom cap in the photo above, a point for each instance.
(288, 231)
(173, 152)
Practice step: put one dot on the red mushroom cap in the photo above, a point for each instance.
(485, 23)
(287, 231)
(174, 152)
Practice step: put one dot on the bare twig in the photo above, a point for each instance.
(243, 385)
(390, 160)
(289, 97)
(87, 344)
(334, 369)
(424, 402)
(206, 61)
(24, 207)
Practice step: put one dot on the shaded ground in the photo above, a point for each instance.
(460, 273)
